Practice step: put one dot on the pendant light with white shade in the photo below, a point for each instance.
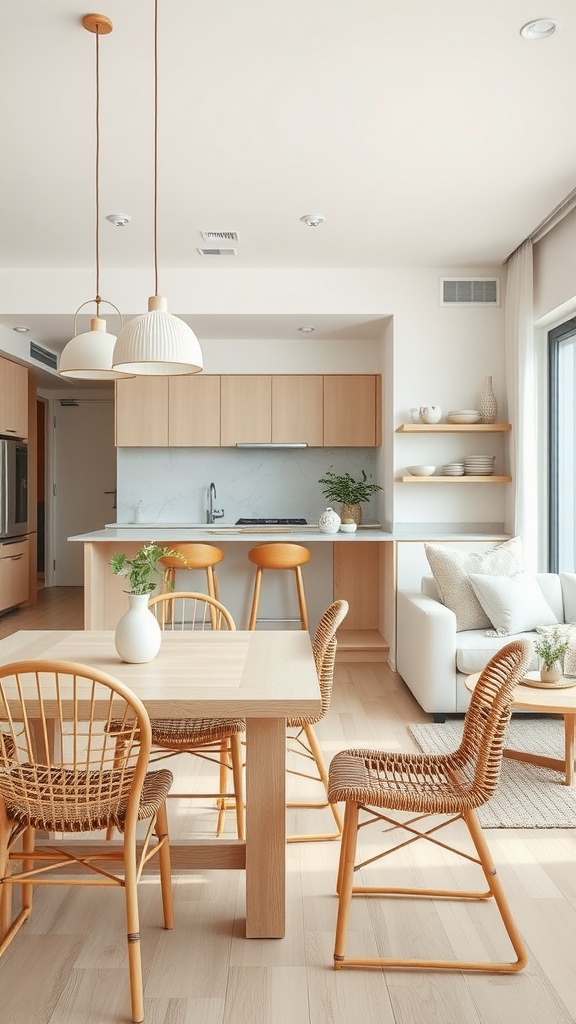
(88, 356)
(157, 343)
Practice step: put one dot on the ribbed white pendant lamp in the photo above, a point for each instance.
(88, 356)
(157, 342)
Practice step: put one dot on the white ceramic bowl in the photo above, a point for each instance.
(347, 527)
(421, 470)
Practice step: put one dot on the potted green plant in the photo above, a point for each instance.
(349, 492)
(137, 637)
(551, 648)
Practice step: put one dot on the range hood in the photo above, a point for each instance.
(271, 444)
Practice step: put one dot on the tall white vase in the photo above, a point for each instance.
(138, 635)
(487, 407)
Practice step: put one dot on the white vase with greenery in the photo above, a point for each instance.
(138, 636)
(551, 649)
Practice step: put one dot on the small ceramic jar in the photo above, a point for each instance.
(329, 521)
(430, 413)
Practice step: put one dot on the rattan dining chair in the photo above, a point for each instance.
(451, 786)
(302, 742)
(62, 771)
(214, 739)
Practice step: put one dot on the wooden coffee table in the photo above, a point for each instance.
(552, 700)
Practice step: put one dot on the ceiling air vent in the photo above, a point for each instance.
(218, 252)
(469, 291)
(42, 355)
(220, 236)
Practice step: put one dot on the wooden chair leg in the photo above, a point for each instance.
(318, 756)
(495, 886)
(238, 775)
(345, 879)
(301, 597)
(256, 598)
(133, 927)
(165, 867)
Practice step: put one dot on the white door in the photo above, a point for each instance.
(84, 481)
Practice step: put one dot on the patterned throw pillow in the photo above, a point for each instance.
(452, 567)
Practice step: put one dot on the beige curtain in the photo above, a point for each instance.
(521, 377)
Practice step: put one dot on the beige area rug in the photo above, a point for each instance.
(527, 796)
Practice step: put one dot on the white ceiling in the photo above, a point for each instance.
(427, 134)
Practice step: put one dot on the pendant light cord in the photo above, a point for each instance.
(156, 147)
(97, 190)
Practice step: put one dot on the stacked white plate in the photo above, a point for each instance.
(453, 469)
(464, 416)
(479, 465)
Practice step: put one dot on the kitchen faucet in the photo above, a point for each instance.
(212, 513)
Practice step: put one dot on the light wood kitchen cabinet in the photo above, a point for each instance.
(297, 409)
(246, 409)
(194, 411)
(352, 411)
(13, 399)
(333, 411)
(13, 573)
(142, 412)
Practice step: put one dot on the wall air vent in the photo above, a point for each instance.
(220, 236)
(218, 252)
(42, 355)
(469, 291)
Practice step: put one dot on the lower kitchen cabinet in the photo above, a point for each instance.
(13, 573)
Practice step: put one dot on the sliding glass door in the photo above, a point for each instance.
(562, 449)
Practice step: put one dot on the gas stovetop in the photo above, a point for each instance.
(271, 522)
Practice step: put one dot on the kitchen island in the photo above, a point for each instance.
(353, 566)
(360, 567)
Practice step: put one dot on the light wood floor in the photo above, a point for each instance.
(68, 964)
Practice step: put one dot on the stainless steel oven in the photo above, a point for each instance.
(13, 488)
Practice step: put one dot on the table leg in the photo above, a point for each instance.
(265, 828)
(569, 721)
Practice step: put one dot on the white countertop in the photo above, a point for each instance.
(172, 532)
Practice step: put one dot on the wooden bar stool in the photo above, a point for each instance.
(279, 556)
(195, 556)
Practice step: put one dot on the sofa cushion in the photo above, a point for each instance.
(475, 649)
(514, 604)
(452, 567)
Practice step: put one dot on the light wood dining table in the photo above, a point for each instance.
(262, 676)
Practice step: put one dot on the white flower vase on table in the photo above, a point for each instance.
(138, 636)
(551, 673)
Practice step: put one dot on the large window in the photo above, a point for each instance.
(562, 450)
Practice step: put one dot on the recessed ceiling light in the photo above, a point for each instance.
(313, 220)
(21, 330)
(306, 330)
(119, 220)
(541, 28)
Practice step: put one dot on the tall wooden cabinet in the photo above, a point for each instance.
(13, 399)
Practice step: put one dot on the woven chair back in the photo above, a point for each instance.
(187, 610)
(62, 768)
(324, 648)
(479, 755)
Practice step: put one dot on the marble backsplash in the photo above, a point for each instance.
(169, 485)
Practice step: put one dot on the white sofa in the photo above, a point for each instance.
(434, 659)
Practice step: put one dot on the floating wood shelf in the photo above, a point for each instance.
(453, 428)
(453, 479)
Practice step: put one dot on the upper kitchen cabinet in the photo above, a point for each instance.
(142, 412)
(194, 411)
(297, 410)
(352, 411)
(13, 399)
(246, 409)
